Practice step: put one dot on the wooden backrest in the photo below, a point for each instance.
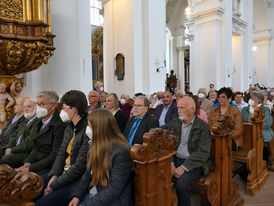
(21, 191)
(152, 169)
(249, 136)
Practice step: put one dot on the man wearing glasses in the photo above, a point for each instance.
(93, 99)
(141, 122)
(49, 135)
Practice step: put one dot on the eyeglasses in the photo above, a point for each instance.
(42, 104)
(138, 105)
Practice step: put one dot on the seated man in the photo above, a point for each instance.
(140, 123)
(206, 104)
(239, 102)
(22, 141)
(167, 111)
(49, 137)
(102, 99)
(14, 123)
(192, 158)
(93, 99)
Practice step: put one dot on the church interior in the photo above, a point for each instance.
(147, 47)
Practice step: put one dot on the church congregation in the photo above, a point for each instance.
(81, 145)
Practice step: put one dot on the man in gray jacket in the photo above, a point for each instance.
(192, 159)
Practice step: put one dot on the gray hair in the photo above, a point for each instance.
(259, 97)
(52, 95)
(97, 93)
(146, 102)
(203, 90)
(126, 95)
(265, 93)
(114, 97)
(98, 83)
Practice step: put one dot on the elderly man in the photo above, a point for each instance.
(192, 158)
(212, 96)
(206, 104)
(167, 111)
(49, 137)
(102, 99)
(22, 140)
(141, 122)
(256, 101)
(93, 99)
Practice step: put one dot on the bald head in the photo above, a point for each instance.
(186, 109)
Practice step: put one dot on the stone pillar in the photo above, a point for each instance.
(135, 28)
(70, 67)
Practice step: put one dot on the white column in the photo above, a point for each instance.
(180, 71)
(208, 47)
(70, 67)
(135, 28)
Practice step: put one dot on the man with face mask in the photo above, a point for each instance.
(206, 104)
(22, 140)
(49, 137)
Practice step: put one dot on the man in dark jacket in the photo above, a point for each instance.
(167, 111)
(49, 136)
(192, 157)
(141, 122)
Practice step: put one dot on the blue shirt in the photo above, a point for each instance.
(134, 129)
(163, 115)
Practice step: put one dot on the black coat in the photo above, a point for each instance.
(46, 145)
(78, 157)
(171, 114)
(146, 124)
(119, 191)
(9, 130)
(121, 120)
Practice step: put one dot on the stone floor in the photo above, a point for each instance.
(264, 197)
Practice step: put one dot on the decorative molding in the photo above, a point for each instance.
(11, 9)
(208, 13)
(270, 3)
(239, 25)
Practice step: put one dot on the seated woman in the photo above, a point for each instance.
(256, 101)
(225, 108)
(107, 180)
(112, 105)
(199, 112)
(70, 163)
(15, 121)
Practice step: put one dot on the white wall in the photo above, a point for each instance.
(70, 67)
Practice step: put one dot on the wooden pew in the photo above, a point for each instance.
(20, 191)
(218, 188)
(271, 149)
(152, 169)
(251, 153)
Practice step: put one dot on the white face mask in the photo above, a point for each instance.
(201, 95)
(101, 89)
(251, 102)
(64, 116)
(122, 101)
(29, 115)
(89, 133)
(41, 112)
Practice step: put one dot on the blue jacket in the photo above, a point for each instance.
(267, 125)
(171, 114)
(119, 190)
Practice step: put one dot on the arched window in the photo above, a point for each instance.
(96, 18)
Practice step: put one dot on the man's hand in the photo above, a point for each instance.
(7, 152)
(74, 202)
(172, 169)
(48, 188)
(178, 172)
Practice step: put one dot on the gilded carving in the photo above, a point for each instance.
(4, 28)
(96, 43)
(11, 9)
(19, 30)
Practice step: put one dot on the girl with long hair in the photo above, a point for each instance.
(107, 180)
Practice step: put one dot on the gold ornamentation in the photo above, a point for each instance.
(4, 28)
(11, 9)
(97, 38)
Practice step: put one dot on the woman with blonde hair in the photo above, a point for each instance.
(107, 180)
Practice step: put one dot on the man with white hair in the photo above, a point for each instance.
(206, 104)
(22, 140)
(99, 87)
(192, 159)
